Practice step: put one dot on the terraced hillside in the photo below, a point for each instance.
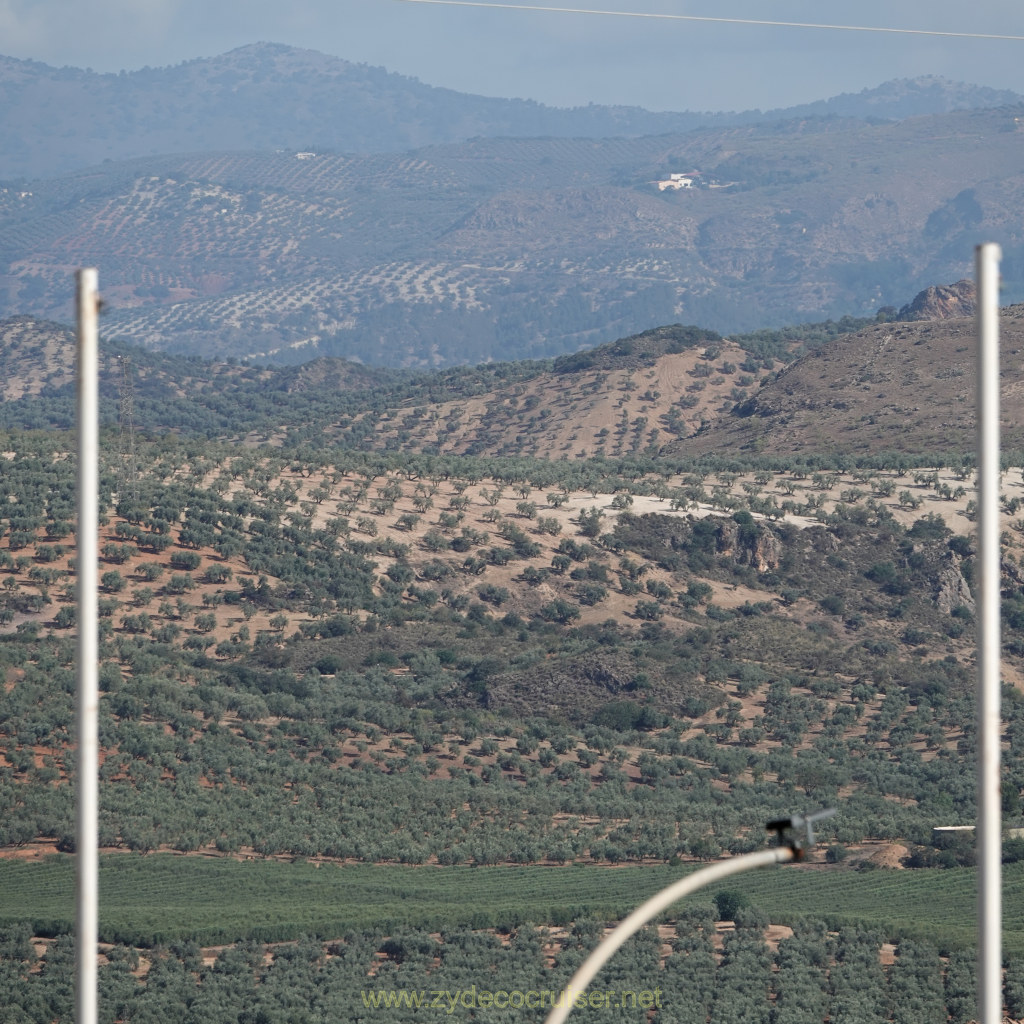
(591, 625)
(347, 617)
(429, 681)
(517, 249)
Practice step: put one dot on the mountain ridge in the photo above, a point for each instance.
(269, 95)
(854, 390)
(491, 248)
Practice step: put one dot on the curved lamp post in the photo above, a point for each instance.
(787, 850)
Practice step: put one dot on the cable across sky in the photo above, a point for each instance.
(721, 21)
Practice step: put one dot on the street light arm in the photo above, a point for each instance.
(654, 906)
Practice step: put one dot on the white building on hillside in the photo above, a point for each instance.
(676, 181)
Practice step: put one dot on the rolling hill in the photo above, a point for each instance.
(518, 248)
(855, 388)
(906, 387)
(335, 658)
(304, 601)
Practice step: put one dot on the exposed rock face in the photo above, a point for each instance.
(756, 546)
(766, 552)
(953, 589)
(941, 302)
(725, 540)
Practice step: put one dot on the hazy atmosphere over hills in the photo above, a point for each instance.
(656, 57)
(495, 247)
(266, 96)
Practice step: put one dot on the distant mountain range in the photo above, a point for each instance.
(251, 237)
(266, 96)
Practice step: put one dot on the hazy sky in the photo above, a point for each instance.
(561, 59)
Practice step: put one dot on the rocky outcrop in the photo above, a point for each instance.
(766, 551)
(953, 590)
(749, 544)
(941, 302)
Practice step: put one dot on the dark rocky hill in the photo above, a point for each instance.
(941, 302)
(901, 387)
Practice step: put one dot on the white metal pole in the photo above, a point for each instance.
(990, 1001)
(629, 926)
(87, 775)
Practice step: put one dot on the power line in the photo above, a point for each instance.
(722, 21)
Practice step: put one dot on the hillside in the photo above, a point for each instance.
(701, 579)
(352, 404)
(428, 600)
(906, 387)
(518, 249)
(855, 388)
(359, 707)
(457, 661)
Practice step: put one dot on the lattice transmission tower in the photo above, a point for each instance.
(128, 469)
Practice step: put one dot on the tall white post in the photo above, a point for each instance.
(87, 774)
(989, 832)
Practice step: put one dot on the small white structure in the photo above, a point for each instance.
(675, 181)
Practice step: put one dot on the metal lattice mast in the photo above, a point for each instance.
(126, 419)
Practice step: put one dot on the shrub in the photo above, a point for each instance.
(112, 582)
(179, 583)
(591, 593)
(559, 610)
(186, 561)
(492, 594)
(650, 611)
(590, 522)
(729, 902)
(929, 527)
(627, 715)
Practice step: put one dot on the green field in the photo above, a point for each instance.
(162, 898)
